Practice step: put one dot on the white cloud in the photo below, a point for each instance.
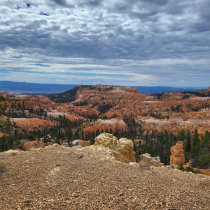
(164, 42)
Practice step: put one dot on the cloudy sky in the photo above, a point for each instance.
(119, 42)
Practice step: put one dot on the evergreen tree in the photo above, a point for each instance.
(205, 140)
(110, 130)
(195, 141)
(181, 136)
(97, 133)
(57, 140)
(188, 142)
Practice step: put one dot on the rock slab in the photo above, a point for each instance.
(122, 149)
(147, 160)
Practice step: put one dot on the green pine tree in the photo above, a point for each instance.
(195, 141)
(188, 142)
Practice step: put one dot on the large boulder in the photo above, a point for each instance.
(147, 160)
(177, 155)
(122, 149)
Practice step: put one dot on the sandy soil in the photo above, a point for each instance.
(58, 177)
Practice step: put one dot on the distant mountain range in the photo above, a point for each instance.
(33, 88)
(47, 89)
(163, 89)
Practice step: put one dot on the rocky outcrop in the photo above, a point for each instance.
(122, 149)
(32, 144)
(79, 92)
(147, 160)
(177, 154)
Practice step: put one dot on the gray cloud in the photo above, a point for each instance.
(112, 32)
(63, 3)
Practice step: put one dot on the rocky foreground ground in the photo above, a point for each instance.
(58, 177)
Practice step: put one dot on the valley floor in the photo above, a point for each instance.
(58, 177)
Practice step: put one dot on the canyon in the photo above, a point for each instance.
(110, 105)
(85, 111)
(129, 147)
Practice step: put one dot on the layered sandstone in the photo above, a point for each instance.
(122, 149)
(177, 155)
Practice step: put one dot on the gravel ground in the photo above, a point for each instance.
(58, 177)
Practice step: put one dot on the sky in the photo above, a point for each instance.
(113, 42)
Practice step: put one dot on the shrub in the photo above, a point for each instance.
(190, 169)
(180, 167)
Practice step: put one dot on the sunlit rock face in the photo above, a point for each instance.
(177, 154)
(122, 149)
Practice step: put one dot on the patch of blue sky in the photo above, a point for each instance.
(78, 74)
(39, 64)
(4, 71)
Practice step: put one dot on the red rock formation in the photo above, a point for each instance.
(106, 125)
(31, 144)
(170, 112)
(83, 143)
(1, 134)
(177, 155)
(204, 91)
(31, 124)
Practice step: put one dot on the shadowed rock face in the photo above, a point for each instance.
(122, 149)
(177, 154)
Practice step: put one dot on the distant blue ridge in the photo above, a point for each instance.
(44, 89)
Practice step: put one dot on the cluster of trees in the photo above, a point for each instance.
(8, 142)
(103, 108)
(198, 149)
(3, 107)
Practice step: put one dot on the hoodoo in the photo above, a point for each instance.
(177, 154)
